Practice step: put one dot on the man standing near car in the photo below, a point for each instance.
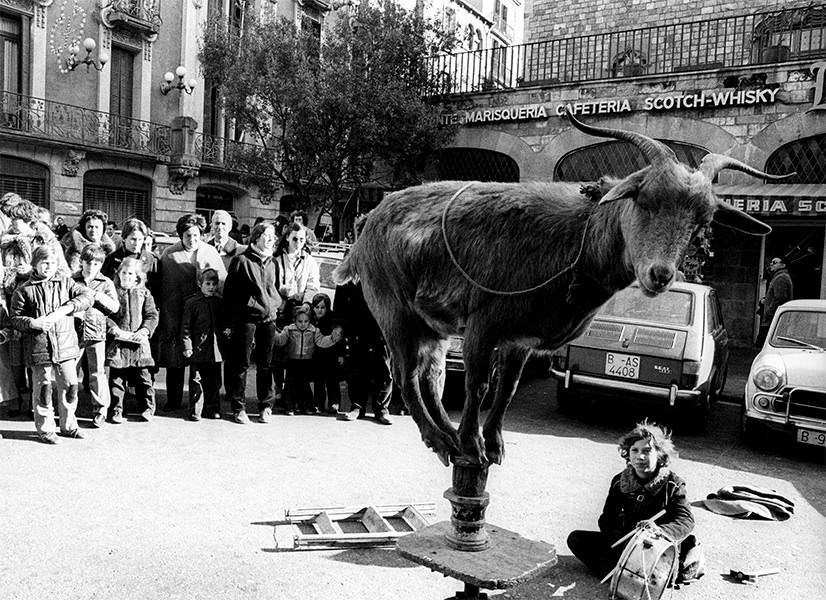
(780, 291)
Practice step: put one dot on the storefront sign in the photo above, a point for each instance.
(699, 100)
(774, 207)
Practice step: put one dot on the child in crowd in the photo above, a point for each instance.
(40, 310)
(328, 361)
(8, 389)
(301, 339)
(645, 487)
(127, 351)
(200, 331)
(91, 327)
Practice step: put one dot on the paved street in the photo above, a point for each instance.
(175, 509)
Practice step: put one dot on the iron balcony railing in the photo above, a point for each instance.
(56, 121)
(736, 41)
(223, 152)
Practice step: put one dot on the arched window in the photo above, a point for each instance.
(118, 194)
(476, 164)
(616, 159)
(28, 179)
(806, 156)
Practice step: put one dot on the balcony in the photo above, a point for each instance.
(141, 16)
(223, 153)
(64, 123)
(761, 39)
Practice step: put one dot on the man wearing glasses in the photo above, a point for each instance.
(780, 290)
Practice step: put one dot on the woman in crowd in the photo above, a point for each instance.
(180, 267)
(251, 303)
(134, 235)
(90, 230)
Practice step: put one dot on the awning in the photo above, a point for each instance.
(776, 199)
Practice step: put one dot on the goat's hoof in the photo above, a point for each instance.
(495, 448)
(443, 445)
(472, 450)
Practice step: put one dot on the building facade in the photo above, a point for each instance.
(746, 80)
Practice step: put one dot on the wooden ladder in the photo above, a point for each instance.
(349, 527)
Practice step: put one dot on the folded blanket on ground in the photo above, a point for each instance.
(749, 502)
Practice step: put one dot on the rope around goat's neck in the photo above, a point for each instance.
(484, 288)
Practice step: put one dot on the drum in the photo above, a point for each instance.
(645, 567)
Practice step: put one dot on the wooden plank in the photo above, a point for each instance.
(374, 522)
(323, 524)
(337, 512)
(345, 540)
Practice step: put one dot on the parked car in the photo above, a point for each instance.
(786, 387)
(328, 256)
(671, 348)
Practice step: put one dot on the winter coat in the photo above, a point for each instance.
(149, 265)
(299, 277)
(75, 241)
(201, 328)
(179, 271)
(91, 325)
(327, 358)
(37, 298)
(780, 291)
(631, 501)
(16, 250)
(228, 251)
(251, 292)
(301, 344)
(360, 327)
(137, 311)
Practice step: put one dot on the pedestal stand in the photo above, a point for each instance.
(466, 548)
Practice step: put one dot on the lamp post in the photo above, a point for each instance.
(72, 62)
(167, 84)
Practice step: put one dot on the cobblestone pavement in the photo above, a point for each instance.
(182, 510)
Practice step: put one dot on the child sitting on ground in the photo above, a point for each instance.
(127, 350)
(645, 487)
(91, 327)
(200, 333)
(328, 361)
(40, 310)
(301, 339)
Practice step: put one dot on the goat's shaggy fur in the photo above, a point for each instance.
(511, 237)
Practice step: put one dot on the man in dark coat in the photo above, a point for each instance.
(780, 291)
(220, 228)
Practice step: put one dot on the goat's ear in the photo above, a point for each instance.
(728, 216)
(627, 188)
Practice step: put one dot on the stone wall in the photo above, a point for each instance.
(545, 20)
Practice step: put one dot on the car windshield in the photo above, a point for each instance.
(670, 308)
(805, 326)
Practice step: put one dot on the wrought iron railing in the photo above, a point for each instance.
(223, 152)
(736, 41)
(56, 121)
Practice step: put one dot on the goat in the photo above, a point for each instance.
(518, 268)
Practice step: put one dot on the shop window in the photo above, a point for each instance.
(806, 157)
(29, 180)
(616, 159)
(475, 164)
(209, 199)
(120, 195)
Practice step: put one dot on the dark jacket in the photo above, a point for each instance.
(251, 289)
(360, 327)
(91, 326)
(230, 250)
(75, 241)
(780, 291)
(38, 298)
(149, 265)
(630, 501)
(137, 311)
(328, 357)
(201, 328)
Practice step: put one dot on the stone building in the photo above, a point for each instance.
(745, 79)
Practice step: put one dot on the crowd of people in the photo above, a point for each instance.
(96, 308)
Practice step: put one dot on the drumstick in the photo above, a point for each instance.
(630, 533)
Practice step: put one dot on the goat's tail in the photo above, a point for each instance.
(345, 271)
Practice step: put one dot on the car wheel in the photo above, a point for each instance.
(751, 430)
(565, 399)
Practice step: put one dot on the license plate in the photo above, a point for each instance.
(622, 365)
(809, 436)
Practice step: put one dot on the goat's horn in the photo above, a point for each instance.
(714, 163)
(653, 150)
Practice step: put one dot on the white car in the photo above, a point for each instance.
(786, 387)
(328, 256)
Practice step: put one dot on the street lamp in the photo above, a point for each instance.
(89, 45)
(167, 85)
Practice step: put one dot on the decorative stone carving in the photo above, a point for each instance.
(819, 71)
(179, 176)
(72, 162)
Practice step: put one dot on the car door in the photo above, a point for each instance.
(718, 333)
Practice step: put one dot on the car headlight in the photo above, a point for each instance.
(767, 379)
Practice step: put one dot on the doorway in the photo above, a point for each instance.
(801, 248)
